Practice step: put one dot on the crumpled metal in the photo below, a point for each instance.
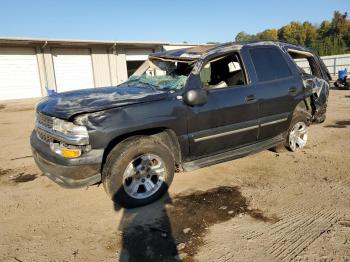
(319, 89)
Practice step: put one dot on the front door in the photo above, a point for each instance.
(230, 117)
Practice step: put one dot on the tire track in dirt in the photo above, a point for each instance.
(292, 211)
(342, 184)
(297, 228)
(288, 243)
(300, 225)
(302, 222)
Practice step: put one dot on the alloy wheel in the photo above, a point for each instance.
(144, 176)
(298, 136)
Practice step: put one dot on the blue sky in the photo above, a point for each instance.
(175, 21)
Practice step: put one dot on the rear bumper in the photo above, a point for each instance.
(70, 173)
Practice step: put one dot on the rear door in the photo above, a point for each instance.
(277, 89)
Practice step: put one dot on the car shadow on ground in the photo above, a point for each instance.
(339, 124)
(173, 229)
(147, 234)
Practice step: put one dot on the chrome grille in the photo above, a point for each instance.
(44, 136)
(44, 120)
(44, 128)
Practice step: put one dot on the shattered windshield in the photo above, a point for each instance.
(158, 82)
(161, 74)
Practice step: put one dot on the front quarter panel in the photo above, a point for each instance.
(107, 125)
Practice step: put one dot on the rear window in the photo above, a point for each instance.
(269, 64)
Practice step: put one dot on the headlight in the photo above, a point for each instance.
(69, 128)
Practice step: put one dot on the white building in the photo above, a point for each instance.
(30, 67)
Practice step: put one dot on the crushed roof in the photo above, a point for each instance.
(194, 53)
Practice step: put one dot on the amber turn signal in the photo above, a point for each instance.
(70, 153)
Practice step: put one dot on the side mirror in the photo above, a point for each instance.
(195, 97)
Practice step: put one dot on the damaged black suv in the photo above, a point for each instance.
(181, 110)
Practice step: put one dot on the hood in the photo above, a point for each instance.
(67, 104)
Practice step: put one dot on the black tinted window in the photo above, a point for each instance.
(269, 64)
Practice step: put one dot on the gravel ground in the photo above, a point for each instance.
(265, 207)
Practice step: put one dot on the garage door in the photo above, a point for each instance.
(137, 54)
(73, 69)
(135, 58)
(19, 74)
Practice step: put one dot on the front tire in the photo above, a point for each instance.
(138, 171)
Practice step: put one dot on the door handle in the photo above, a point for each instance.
(250, 99)
(292, 91)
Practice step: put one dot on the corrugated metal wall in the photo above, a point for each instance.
(101, 68)
(108, 65)
(64, 65)
(334, 63)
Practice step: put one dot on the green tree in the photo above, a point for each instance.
(269, 34)
(293, 33)
(243, 36)
(324, 29)
(328, 38)
(310, 32)
(339, 24)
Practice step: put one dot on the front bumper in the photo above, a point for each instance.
(76, 172)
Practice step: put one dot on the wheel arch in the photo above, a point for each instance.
(165, 135)
(303, 107)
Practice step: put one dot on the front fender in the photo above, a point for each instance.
(105, 126)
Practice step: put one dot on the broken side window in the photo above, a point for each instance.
(313, 82)
(224, 71)
(306, 62)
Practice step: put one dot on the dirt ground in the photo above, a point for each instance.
(265, 207)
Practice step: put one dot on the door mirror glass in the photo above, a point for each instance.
(195, 97)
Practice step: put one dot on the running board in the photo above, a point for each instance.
(232, 154)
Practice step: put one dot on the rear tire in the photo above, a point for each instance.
(297, 133)
(138, 171)
(287, 144)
